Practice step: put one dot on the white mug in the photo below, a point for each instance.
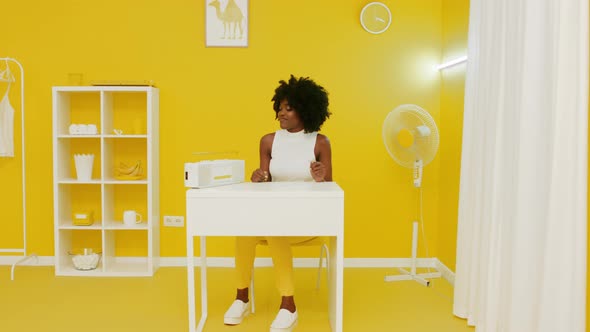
(130, 218)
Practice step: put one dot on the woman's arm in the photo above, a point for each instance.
(262, 174)
(321, 170)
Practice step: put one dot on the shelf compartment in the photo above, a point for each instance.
(124, 150)
(80, 107)
(125, 111)
(75, 239)
(78, 198)
(121, 197)
(66, 149)
(126, 251)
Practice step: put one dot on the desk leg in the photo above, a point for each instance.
(203, 284)
(336, 282)
(190, 269)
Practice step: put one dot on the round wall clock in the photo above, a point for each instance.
(375, 17)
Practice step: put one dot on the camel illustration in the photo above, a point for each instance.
(231, 17)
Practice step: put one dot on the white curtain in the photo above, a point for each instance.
(521, 246)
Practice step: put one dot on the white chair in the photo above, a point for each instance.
(324, 252)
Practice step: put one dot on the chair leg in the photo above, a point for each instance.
(327, 260)
(323, 250)
(317, 282)
(252, 302)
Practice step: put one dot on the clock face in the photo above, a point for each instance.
(375, 17)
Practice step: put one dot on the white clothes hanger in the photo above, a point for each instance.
(6, 75)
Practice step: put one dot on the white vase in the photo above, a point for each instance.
(84, 164)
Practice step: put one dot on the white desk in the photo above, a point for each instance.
(266, 209)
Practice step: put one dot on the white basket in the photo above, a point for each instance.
(85, 262)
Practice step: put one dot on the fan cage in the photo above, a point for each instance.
(410, 116)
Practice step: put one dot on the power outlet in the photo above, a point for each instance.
(174, 221)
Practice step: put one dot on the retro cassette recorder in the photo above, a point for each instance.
(211, 173)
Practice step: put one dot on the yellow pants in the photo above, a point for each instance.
(282, 259)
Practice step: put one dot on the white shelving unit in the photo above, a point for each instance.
(125, 250)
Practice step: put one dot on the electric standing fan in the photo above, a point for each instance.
(411, 138)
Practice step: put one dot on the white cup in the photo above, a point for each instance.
(131, 218)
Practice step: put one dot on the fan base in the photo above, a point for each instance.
(421, 278)
(411, 274)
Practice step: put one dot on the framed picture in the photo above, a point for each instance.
(226, 23)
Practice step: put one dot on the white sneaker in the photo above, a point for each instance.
(284, 322)
(236, 313)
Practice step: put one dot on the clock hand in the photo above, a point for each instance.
(380, 19)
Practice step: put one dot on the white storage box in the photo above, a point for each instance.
(211, 173)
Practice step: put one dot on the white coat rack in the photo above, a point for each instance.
(23, 250)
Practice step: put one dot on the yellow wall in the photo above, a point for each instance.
(218, 99)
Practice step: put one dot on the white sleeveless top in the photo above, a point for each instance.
(291, 156)
(6, 127)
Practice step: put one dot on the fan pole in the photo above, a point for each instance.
(411, 274)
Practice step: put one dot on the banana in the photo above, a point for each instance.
(138, 171)
(124, 169)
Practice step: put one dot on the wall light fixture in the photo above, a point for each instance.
(452, 63)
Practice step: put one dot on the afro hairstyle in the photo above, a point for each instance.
(307, 98)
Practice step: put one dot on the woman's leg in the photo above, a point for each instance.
(282, 258)
(244, 255)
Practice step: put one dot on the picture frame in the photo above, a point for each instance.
(226, 23)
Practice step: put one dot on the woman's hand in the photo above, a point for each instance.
(318, 171)
(260, 176)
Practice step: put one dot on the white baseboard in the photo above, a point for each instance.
(435, 263)
(446, 273)
(388, 262)
(31, 259)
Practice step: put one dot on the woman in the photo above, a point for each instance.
(296, 152)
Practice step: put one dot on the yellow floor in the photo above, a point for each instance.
(38, 301)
